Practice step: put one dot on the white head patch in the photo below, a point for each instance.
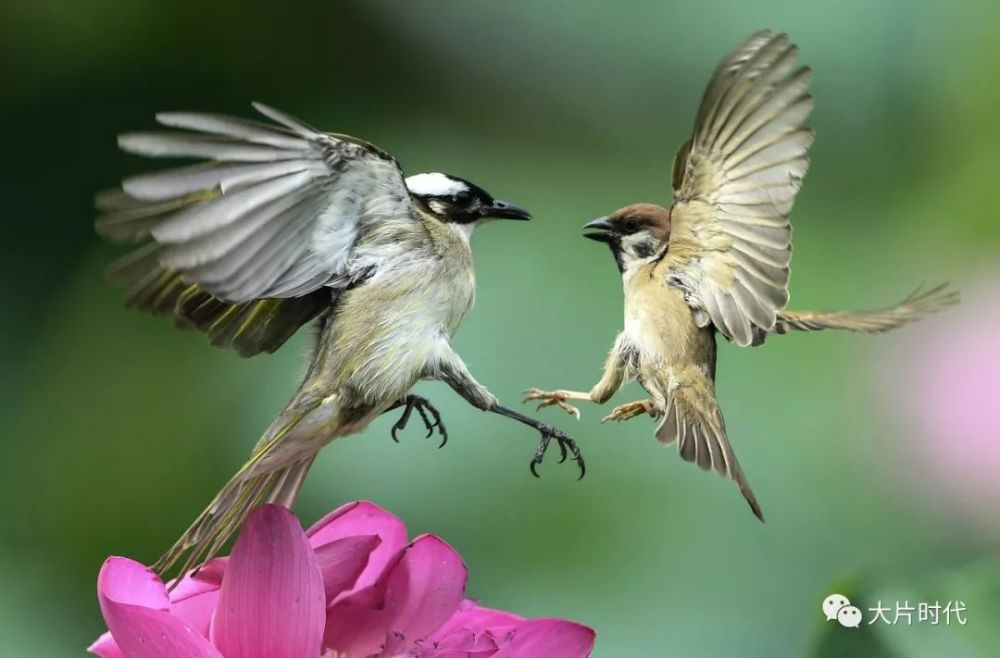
(434, 184)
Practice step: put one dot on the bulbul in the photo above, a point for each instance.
(717, 262)
(284, 226)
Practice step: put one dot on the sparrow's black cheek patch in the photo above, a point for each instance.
(645, 249)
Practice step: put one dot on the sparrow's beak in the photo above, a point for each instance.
(504, 210)
(600, 230)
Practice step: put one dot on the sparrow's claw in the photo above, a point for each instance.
(630, 410)
(428, 414)
(551, 398)
(567, 446)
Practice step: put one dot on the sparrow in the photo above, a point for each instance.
(285, 226)
(717, 261)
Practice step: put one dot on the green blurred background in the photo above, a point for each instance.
(117, 429)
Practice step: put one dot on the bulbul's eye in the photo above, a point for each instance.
(463, 198)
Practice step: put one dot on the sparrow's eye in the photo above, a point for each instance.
(631, 226)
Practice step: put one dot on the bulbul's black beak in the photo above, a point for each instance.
(504, 210)
(600, 230)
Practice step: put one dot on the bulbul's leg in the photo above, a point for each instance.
(630, 410)
(615, 370)
(428, 414)
(453, 371)
(567, 446)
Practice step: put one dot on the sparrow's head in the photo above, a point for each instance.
(455, 200)
(634, 233)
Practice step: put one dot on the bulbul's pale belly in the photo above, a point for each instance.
(389, 332)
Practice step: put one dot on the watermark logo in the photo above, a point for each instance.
(838, 607)
(832, 605)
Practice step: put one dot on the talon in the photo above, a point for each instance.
(423, 407)
(567, 447)
(427, 422)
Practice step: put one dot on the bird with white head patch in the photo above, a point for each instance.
(283, 226)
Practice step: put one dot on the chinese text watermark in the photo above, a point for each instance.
(898, 613)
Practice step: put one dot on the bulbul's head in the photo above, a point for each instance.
(456, 200)
(634, 232)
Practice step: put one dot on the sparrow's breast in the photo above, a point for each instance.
(661, 326)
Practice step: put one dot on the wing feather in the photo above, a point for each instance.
(244, 129)
(735, 183)
(197, 145)
(173, 183)
(276, 212)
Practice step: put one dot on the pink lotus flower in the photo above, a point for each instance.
(349, 587)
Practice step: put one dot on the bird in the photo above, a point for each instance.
(283, 226)
(716, 263)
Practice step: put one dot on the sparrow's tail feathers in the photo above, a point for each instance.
(272, 474)
(694, 422)
(917, 306)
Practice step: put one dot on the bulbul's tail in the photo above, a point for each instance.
(273, 474)
(694, 422)
(915, 307)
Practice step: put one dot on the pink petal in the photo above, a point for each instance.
(134, 603)
(342, 561)
(362, 518)
(194, 599)
(106, 647)
(357, 625)
(197, 611)
(417, 593)
(271, 604)
(549, 638)
(462, 643)
(471, 617)
(126, 581)
(424, 588)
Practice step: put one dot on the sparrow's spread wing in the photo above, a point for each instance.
(274, 213)
(734, 184)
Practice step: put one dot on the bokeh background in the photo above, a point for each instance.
(876, 459)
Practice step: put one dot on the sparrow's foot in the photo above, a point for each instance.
(630, 410)
(428, 414)
(551, 398)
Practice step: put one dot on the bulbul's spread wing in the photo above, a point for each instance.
(734, 184)
(249, 244)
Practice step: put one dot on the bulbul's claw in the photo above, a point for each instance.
(428, 414)
(551, 398)
(567, 446)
